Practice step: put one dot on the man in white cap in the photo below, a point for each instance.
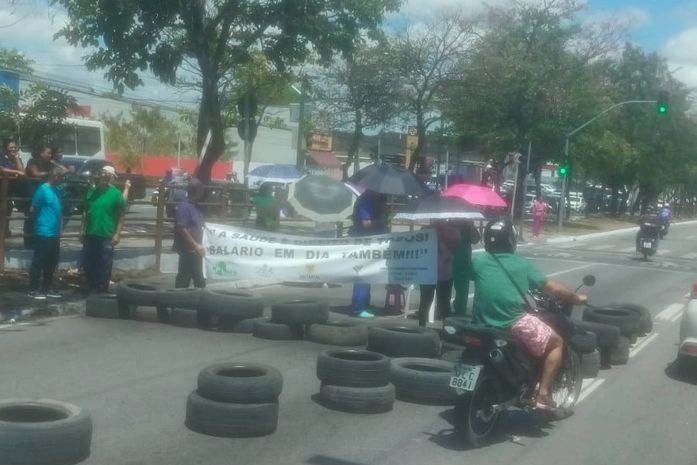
(101, 230)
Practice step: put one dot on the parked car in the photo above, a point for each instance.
(85, 170)
(576, 202)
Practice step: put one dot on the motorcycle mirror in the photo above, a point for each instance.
(589, 280)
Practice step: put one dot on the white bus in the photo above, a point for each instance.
(82, 139)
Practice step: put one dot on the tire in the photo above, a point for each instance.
(43, 432)
(626, 321)
(230, 306)
(687, 366)
(473, 417)
(136, 294)
(584, 342)
(180, 298)
(619, 354)
(590, 364)
(338, 334)
(184, 317)
(423, 380)
(228, 420)
(299, 312)
(566, 388)
(404, 341)
(246, 326)
(353, 368)
(607, 335)
(241, 383)
(102, 306)
(358, 399)
(645, 325)
(265, 329)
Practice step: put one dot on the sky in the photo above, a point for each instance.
(666, 26)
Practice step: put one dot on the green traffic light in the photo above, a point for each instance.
(563, 171)
(662, 109)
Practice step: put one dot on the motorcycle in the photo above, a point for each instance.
(496, 372)
(663, 229)
(647, 237)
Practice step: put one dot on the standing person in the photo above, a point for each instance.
(12, 166)
(268, 212)
(448, 242)
(539, 208)
(46, 209)
(37, 168)
(188, 237)
(369, 217)
(101, 230)
(56, 154)
(462, 265)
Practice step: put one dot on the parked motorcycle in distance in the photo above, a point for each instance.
(687, 351)
(496, 373)
(647, 237)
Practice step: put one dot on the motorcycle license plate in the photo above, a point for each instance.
(648, 245)
(465, 378)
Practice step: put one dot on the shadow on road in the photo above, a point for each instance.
(327, 460)
(673, 372)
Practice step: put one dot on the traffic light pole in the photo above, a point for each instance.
(562, 199)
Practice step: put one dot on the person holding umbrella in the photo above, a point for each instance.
(369, 218)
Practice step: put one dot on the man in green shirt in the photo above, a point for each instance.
(101, 230)
(500, 277)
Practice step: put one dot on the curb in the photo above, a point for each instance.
(583, 237)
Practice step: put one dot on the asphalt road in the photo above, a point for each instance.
(134, 378)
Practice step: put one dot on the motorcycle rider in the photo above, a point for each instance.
(500, 278)
(649, 225)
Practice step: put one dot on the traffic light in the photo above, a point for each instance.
(662, 102)
(563, 170)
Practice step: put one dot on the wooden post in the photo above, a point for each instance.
(158, 226)
(4, 215)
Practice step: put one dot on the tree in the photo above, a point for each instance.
(217, 36)
(361, 93)
(12, 60)
(426, 59)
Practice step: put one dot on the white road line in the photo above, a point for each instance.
(627, 250)
(669, 312)
(690, 256)
(691, 237)
(641, 345)
(662, 252)
(567, 246)
(571, 270)
(676, 317)
(601, 247)
(588, 390)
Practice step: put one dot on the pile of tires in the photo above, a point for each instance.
(404, 341)
(178, 306)
(224, 309)
(289, 320)
(43, 432)
(585, 343)
(338, 333)
(355, 381)
(235, 400)
(423, 380)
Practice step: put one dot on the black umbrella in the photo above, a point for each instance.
(388, 179)
(321, 198)
(435, 207)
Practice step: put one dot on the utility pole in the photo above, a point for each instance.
(300, 155)
(525, 190)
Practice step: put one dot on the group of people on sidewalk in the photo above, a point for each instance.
(104, 208)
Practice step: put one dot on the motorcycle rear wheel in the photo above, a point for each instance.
(475, 416)
(566, 388)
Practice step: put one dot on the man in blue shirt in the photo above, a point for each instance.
(188, 237)
(47, 213)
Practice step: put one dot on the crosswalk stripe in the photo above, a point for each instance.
(601, 247)
(669, 312)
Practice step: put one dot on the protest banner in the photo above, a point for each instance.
(401, 258)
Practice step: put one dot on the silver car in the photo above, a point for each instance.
(687, 352)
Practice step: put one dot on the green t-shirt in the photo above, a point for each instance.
(103, 211)
(497, 302)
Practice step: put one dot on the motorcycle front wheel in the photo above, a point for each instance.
(475, 412)
(567, 386)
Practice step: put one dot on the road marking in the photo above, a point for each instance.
(663, 252)
(691, 237)
(677, 317)
(669, 312)
(571, 270)
(627, 249)
(690, 256)
(592, 386)
(601, 247)
(640, 346)
(567, 246)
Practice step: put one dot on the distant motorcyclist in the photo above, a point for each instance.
(665, 214)
(649, 225)
(500, 278)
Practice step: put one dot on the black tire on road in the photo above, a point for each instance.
(247, 326)
(619, 354)
(228, 420)
(102, 306)
(338, 334)
(180, 298)
(645, 325)
(358, 399)
(590, 364)
(242, 383)
(230, 306)
(265, 329)
(404, 341)
(423, 380)
(353, 368)
(607, 335)
(584, 342)
(43, 432)
(132, 293)
(184, 317)
(626, 321)
(299, 312)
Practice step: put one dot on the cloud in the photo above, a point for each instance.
(682, 57)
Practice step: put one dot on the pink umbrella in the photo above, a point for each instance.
(475, 195)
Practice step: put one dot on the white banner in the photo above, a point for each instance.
(401, 258)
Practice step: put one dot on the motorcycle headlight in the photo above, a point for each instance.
(449, 329)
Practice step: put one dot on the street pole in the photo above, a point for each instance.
(525, 191)
(300, 155)
(561, 211)
(447, 167)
